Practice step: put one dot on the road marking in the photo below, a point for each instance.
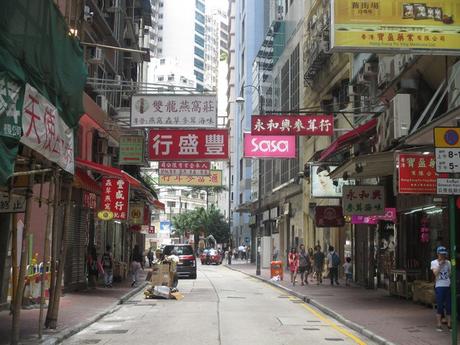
(321, 317)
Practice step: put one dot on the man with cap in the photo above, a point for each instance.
(442, 269)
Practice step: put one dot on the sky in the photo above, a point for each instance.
(217, 4)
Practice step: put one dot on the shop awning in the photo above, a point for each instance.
(83, 181)
(89, 122)
(158, 205)
(109, 171)
(367, 166)
(360, 133)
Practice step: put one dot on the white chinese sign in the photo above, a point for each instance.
(45, 132)
(363, 200)
(173, 111)
(448, 186)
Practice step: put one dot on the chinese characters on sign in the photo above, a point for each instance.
(10, 108)
(131, 150)
(213, 180)
(183, 145)
(184, 168)
(269, 146)
(363, 200)
(292, 125)
(17, 203)
(115, 197)
(447, 149)
(448, 186)
(329, 216)
(45, 131)
(89, 200)
(417, 174)
(136, 213)
(198, 111)
(385, 25)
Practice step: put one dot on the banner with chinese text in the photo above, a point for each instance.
(195, 111)
(292, 125)
(184, 168)
(131, 150)
(417, 174)
(115, 197)
(213, 180)
(363, 200)
(366, 25)
(188, 145)
(45, 132)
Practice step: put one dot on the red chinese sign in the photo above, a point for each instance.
(185, 168)
(417, 174)
(187, 145)
(89, 200)
(329, 216)
(292, 125)
(363, 200)
(115, 197)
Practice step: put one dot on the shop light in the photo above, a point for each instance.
(435, 211)
(420, 209)
(117, 222)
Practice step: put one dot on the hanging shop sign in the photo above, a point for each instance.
(184, 168)
(322, 186)
(194, 111)
(329, 216)
(89, 200)
(447, 149)
(213, 180)
(44, 130)
(448, 186)
(105, 215)
(314, 125)
(188, 145)
(417, 174)
(115, 197)
(380, 25)
(165, 227)
(136, 213)
(389, 216)
(263, 146)
(151, 229)
(131, 150)
(15, 204)
(363, 200)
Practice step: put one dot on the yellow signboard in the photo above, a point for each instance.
(105, 215)
(136, 213)
(447, 137)
(213, 180)
(382, 25)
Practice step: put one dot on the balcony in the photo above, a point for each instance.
(317, 54)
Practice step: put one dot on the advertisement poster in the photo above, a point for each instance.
(183, 145)
(292, 125)
(131, 150)
(417, 174)
(269, 146)
(329, 216)
(322, 186)
(365, 25)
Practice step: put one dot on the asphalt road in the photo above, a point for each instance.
(220, 307)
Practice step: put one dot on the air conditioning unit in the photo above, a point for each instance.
(97, 56)
(384, 75)
(102, 102)
(454, 91)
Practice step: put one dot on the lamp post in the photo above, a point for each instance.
(241, 100)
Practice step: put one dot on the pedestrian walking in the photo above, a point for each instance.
(318, 261)
(442, 268)
(150, 257)
(107, 265)
(243, 253)
(92, 267)
(348, 270)
(248, 253)
(304, 265)
(333, 262)
(136, 264)
(293, 260)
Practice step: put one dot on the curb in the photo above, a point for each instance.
(350, 324)
(66, 333)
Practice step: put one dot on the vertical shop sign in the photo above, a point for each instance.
(136, 213)
(417, 174)
(115, 197)
(131, 150)
(89, 200)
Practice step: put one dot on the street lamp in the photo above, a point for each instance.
(241, 100)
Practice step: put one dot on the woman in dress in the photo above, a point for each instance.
(293, 260)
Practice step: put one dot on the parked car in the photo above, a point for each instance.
(186, 267)
(211, 256)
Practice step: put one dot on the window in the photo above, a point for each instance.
(199, 52)
(171, 77)
(242, 64)
(160, 27)
(241, 168)
(243, 25)
(162, 61)
(295, 79)
(200, 6)
(199, 63)
(199, 40)
(161, 78)
(199, 28)
(199, 76)
(285, 87)
(199, 17)
(171, 204)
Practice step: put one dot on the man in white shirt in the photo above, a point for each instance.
(441, 268)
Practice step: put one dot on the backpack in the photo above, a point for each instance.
(106, 260)
(335, 260)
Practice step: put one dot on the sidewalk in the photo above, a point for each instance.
(76, 311)
(395, 320)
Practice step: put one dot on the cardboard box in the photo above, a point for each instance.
(161, 275)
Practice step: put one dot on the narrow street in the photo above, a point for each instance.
(220, 307)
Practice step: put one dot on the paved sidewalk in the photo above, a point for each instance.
(76, 311)
(395, 320)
